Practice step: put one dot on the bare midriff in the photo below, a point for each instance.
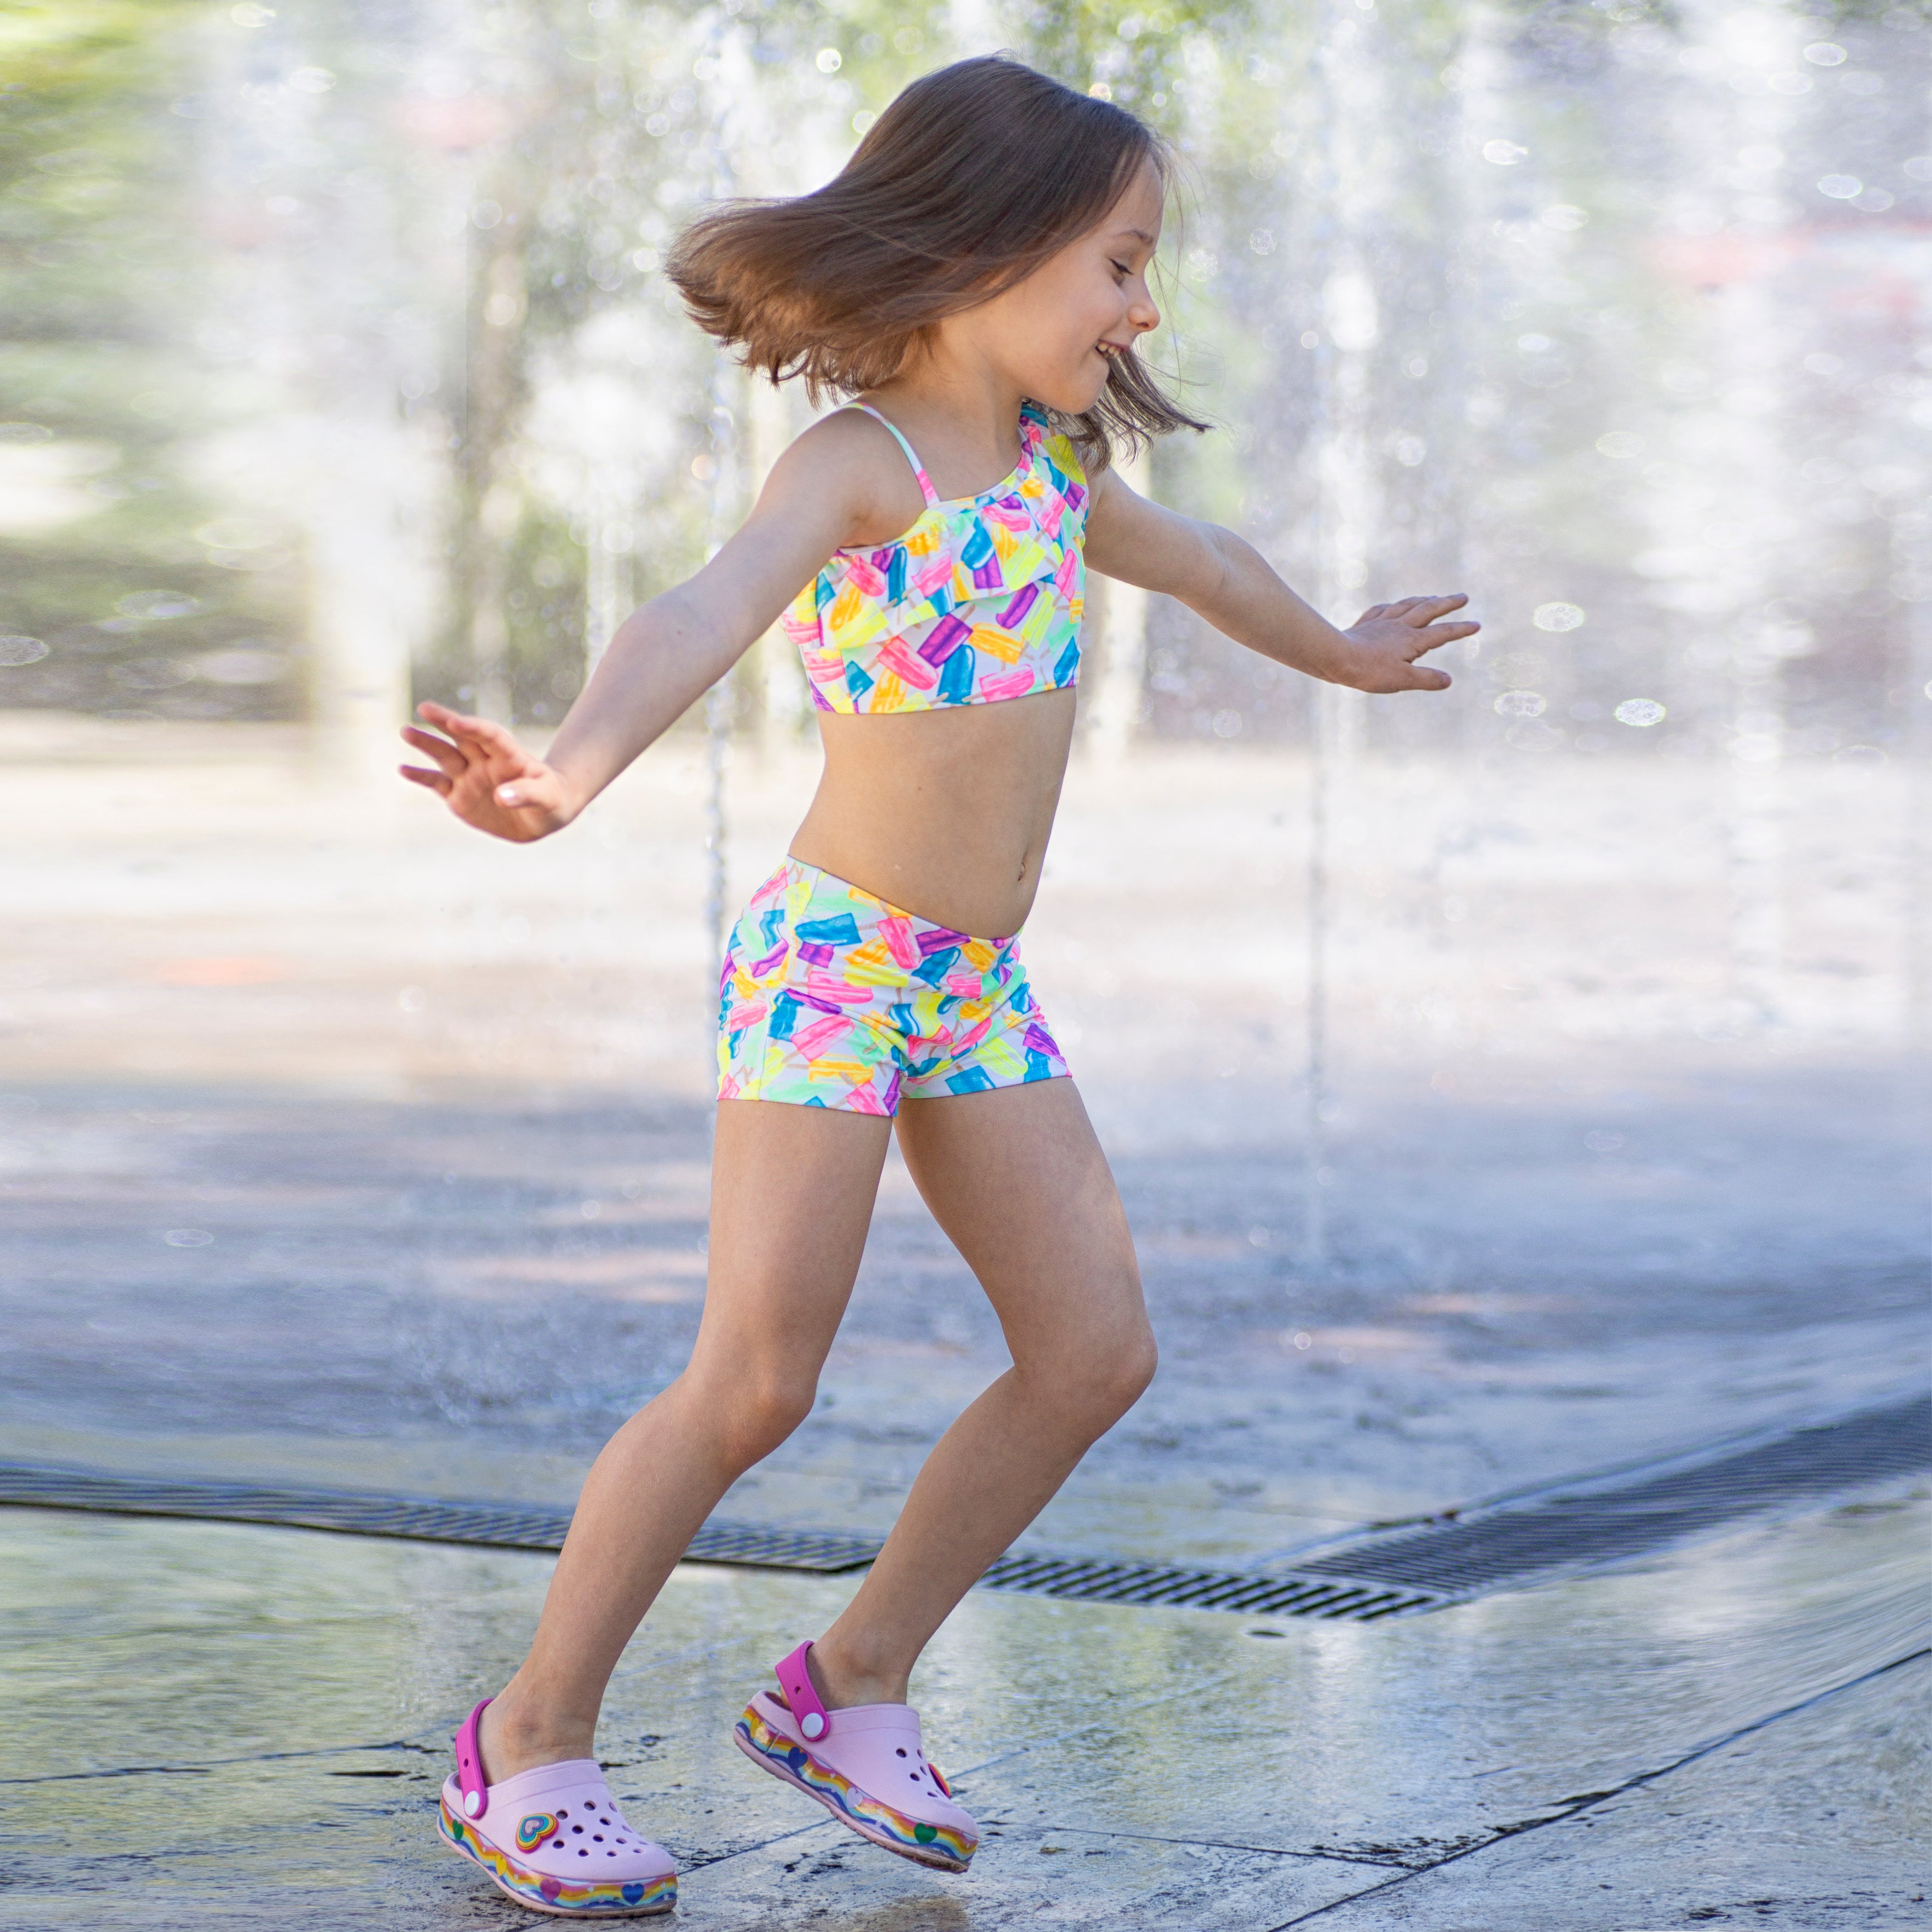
(945, 813)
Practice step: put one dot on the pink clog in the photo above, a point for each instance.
(864, 1765)
(554, 1838)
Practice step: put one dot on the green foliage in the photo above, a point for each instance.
(543, 609)
(104, 281)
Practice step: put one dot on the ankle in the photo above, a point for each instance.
(519, 1731)
(843, 1679)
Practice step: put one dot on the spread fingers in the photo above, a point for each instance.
(484, 733)
(446, 755)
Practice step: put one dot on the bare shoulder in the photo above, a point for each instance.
(852, 459)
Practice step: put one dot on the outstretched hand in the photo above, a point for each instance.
(486, 777)
(1389, 638)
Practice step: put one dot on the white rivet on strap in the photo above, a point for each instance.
(812, 1724)
(473, 1802)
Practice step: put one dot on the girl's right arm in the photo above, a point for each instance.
(668, 653)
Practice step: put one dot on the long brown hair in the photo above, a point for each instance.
(963, 187)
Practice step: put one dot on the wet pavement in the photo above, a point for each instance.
(329, 1133)
(1517, 1762)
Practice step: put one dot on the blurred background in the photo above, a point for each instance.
(340, 366)
(1505, 1084)
(340, 371)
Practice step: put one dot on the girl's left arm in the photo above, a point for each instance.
(1223, 578)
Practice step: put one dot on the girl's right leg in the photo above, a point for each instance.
(792, 1190)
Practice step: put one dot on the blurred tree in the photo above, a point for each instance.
(111, 604)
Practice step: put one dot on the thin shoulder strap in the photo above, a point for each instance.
(918, 468)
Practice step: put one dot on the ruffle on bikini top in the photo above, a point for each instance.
(979, 600)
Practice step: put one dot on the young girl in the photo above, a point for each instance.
(977, 278)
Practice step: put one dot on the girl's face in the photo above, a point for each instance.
(1053, 332)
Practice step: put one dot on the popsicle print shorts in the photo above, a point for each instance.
(830, 997)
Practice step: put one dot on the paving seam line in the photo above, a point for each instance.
(1635, 1783)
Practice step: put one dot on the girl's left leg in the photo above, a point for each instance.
(1017, 1179)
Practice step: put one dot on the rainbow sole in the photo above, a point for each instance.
(542, 1893)
(934, 1845)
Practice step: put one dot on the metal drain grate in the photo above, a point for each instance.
(1439, 1563)
(418, 1519)
(1573, 1524)
(1102, 1580)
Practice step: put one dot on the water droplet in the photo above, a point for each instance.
(829, 60)
(1841, 187)
(21, 650)
(158, 604)
(1824, 53)
(187, 1237)
(235, 533)
(1557, 617)
(1522, 704)
(1639, 711)
(1505, 154)
(1620, 444)
(241, 666)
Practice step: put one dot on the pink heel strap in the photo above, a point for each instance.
(814, 1721)
(469, 1766)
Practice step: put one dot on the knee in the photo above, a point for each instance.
(1107, 1376)
(752, 1412)
(1125, 1368)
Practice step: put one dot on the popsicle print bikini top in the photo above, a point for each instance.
(979, 600)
